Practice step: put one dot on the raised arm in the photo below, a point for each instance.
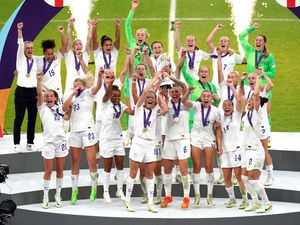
(94, 34)
(63, 38)
(96, 88)
(162, 104)
(211, 37)
(108, 92)
(68, 43)
(177, 36)
(68, 103)
(132, 58)
(185, 98)
(242, 89)
(180, 84)
(180, 63)
(39, 89)
(133, 88)
(82, 63)
(147, 89)
(20, 52)
(20, 28)
(256, 94)
(261, 73)
(242, 36)
(89, 37)
(219, 65)
(126, 66)
(148, 61)
(117, 33)
(238, 105)
(128, 30)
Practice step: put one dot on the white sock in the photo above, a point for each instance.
(210, 183)
(168, 184)
(106, 178)
(230, 192)
(249, 188)
(196, 182)
(46, 187)
(260, 190)
(94, 179)
(159, 185)
(74, 179)
(129, 188)
(186, 185)
(120, 179)
(143, 184)
(178, 171)
(59, 182)
(269, 169)
(150, 190)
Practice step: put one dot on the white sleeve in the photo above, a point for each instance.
(59, 55)
(20, 52)
(238, 58)
(195, 105)
(205, 55)
(123, 107)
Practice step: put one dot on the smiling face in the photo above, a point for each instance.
(233, 76)
(252, 80)
(206, 98)
(28, 49)
(157, 49)
(150, 100)
(190, 43)
(109, 76)
(141, 71)
(227, 107)
(141, 36)
(224, 44)
(50, 98)
(77, 46)
(203, 74)
(49, 54)
(116, 97)
(260, 43)
(107, 46)
(175, 94)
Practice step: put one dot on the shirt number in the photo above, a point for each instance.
(76, 107)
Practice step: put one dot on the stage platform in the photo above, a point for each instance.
(24, 186)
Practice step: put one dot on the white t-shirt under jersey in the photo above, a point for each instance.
(228, 64)
(231, 135)
(21, 67)
(199, 131)
(53, 129)
(82, 112)
(111, 128)
(176, 130)
(199, 56)
(99, 60)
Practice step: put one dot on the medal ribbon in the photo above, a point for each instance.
(77, 63)
(205, 118)
(141, 89)
(249, 116)
(176, 109)
(257, 60)
(106, 64)
(147, 118)
(46, 68)
(191, 60)
(117, 113)
(29, 65)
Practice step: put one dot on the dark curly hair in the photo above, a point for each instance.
(46, 44)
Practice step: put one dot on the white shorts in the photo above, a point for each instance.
(55, 149)
(202, 144)
(97, 129)
(177, 149)
(231, 159)
(111, 147)
(83, 139)
(157, 152)
(142, 150)
(264, 133)
(255, 159)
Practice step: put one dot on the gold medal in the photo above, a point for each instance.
(27, 74)
(145, 130)
(176, 119)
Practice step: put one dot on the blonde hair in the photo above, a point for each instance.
(87, 81)
(144, 30)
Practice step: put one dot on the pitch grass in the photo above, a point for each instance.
(283, 42)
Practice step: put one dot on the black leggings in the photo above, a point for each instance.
(25, 98)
